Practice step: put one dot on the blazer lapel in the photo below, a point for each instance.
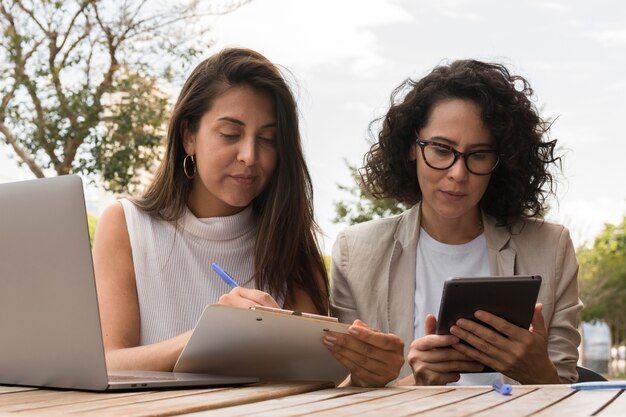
(501, 258)
(401, 294)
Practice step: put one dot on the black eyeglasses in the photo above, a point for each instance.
(440, 156)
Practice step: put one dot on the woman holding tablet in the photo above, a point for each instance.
(233, 188)
(466, 147)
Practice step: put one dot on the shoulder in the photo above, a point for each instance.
(112, 223)
(539, 239)
(113, 214)
(378, 229)
(111, 244)
(374, 238)
(540, 230)
(528, 229)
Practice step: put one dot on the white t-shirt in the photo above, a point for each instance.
(435, 262)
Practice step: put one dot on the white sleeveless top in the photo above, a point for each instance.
(172, 265)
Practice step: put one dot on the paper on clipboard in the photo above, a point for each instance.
(265, 344)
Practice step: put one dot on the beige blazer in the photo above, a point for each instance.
(373, 277)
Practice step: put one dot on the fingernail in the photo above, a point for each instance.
(330, 339)
(353, 331)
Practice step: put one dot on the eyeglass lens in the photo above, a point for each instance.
(443, 157)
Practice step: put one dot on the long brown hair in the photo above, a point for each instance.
(287, 254)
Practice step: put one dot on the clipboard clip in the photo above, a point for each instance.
(295, 313)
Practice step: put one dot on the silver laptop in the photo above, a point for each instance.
(49, 318)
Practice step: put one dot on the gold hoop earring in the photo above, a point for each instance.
(193, 164)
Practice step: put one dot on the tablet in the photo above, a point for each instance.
(270, 344)
(512, 298)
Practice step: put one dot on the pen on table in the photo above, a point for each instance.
(504, 389)
(224, 275)
(593, 385)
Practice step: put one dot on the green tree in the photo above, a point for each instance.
(80, 81)
(603, 279)
(92, 222)
(361, 206)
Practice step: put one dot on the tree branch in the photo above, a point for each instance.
(21, 77)
(31, 14)
(12, 140)
(113, 64)
(71, 24)
(74, 44)
(6, 100)
(166, 19)
(53, 51)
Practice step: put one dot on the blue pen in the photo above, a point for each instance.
(224, 275)
(617, 384)
(504, 389)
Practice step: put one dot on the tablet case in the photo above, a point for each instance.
(265, 344)
(512, 298)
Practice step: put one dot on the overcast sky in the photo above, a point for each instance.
(348, 55)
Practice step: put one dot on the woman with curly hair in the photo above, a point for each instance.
(466, 147)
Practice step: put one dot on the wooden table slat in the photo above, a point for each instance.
(38, 396)
(183, 404)
(61, 404)
(477, 404)
(280, 403)
(316, 399)
(6, 389)
(334, 405)
(58, 398)
(537, 399)
(405, 403)
(617, 408)
(580, 403)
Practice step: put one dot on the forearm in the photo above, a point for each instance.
(160, 356)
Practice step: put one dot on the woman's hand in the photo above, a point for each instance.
(434, 361)
(247, 297)
(373, 358)
(521, 355)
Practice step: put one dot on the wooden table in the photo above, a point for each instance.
(317, 399)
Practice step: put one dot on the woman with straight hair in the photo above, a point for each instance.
(233, 188)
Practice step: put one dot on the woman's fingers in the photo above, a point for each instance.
(359, 375)
(247, 297)
(434, 361)
(373, 358)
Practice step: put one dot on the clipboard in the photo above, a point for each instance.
(267, 343)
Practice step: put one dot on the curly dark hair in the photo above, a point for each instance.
(521, 182)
